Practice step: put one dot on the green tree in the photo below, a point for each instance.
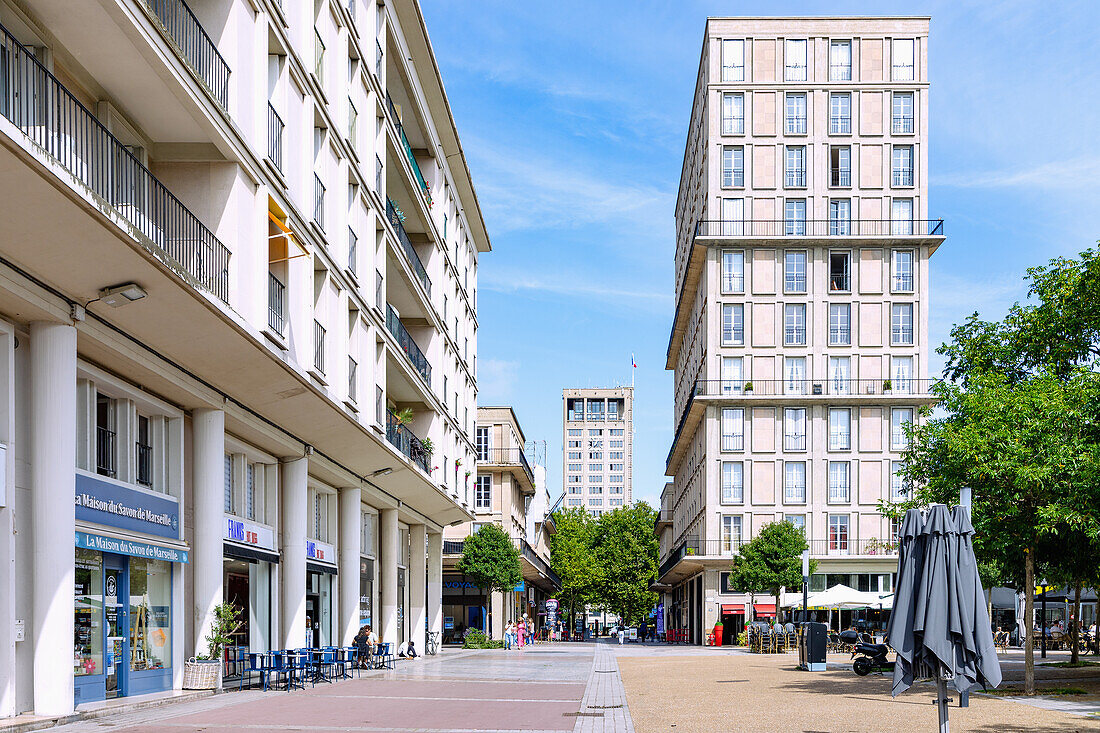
(626, 551)
(491, 561)
(770, 561)
(573, 558)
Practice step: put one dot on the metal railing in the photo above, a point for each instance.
(51, 117)
(840, 125)
(318, 201)
(840, 72)
(378, 175)
(106, 463)
(796, 179)
(353, 371)
(840, 177)
(408, 150)
(839, 282)
(819, 228)
(535, 559)
(378, 60)
(276, 304)
(407, 246)
(812, 387)
(194, 45)
(850, 546)
(402, 438)
(353, 250)
(903, 177)
(453, 547)
(319, 347)
(794, 336)
(275, 128)
(379, 290)
(408, 345)
(840, 336)
(902, 124)
(144, 455)
(506, 457)
(902, 282)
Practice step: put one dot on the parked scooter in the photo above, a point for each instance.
(867, 656)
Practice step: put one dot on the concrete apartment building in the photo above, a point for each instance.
(800, 331)
(598, 440)
(511, 493)
(237, 324)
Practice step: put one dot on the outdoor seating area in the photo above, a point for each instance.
(763, 639)
(289, 669)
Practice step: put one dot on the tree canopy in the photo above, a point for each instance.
(491, 560)
(770, 561)
(571, 556)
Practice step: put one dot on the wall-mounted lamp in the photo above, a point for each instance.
(120, 295)
(381, 472)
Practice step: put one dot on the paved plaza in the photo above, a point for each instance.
(593, 688)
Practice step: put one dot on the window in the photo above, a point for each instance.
(795, 367)
(615, 489)
(576, 502)
(840, 217)
(250, 491)
(733, 324)
(143, 456)
(733, 271)
(733, 60)
(840, 61)
(794, 68)
(353, 372)
(731, 374)
(840, 272)
(901, 270)
(320, 516)
(616, 478)
(318, 201)
(594, 432)
(575, 432)
(839, 374)
(839, 482)
(733, 166)
(318, 57)
(228, 489)
(483, 493)
(733, 217)
(595, 489)
(840, 113)
(840, 428)
(840, 324)
(353, 117)
(797, 520)
(615, 431)
(574, 455)
(594, 467)
(794, 271)
(150, 613)
(838, 532)
(902, 117)
(574, 479)
(796, 113)
(615, 443)
(574, 467)
(794, 324)
(840, 166)
(318, 347)
(903, 165)
(89, 598)
(733, 429)
(595, 501)
(901, 216)
(733, 478)
(794, 429)
(898, 489)
(733, 113)
(106, 454)
(731, 533)
(615, 502)
(901, 371)
(794, 211)
(482, 444)
(903, 67)
(900, 418)
(615, 455)
(901, 324)
(796, 166)
(794, 482)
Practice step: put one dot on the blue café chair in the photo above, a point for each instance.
(296, 663)
(255, 664)
(351, 657)
(329, 662)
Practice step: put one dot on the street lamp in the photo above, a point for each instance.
(805, 582)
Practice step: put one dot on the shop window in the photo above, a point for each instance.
(150, 614)
(88, 628)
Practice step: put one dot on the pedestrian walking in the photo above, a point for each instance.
(521, 633)
(622, 635)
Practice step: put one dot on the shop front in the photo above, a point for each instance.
(250, 559)
(463, 607)
(320, 590)
(127, 545)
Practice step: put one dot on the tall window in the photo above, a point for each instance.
(840, 428)
(901, 271)
(794, 324)
(733, 166)
(794, 211)
(733, 324)
(733, 113)
(796, 166)
(840, 113)
(840, 217)
(796, 113)
(900, 418)
(483, 493)
(898, 489)
(901, 216)
(840, 166)
(733, 271)
(482, 442)
(794, 482)
(902, 65)
(903, 165)
(798, 521)
(106, 447)
(733, 429)
(902, 122)
(144, 453)
(228, 485)
(838, 532)
(733, 60)
(733, 217)
(795, 374)
(840, 324)
(840, 272)
(839, 482)
(731, 374)
(840, 61)
(731, 533)
(901, 374)
(794, 68)
(733, 487)
(901, 324)
(840, 370)
(250, 491)
(794, 271)
(794, 429)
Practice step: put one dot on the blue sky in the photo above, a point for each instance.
(573, 117)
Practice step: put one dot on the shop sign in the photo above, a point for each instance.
(248, 533)
(552, 604)
(88, 541)
(660, 618)
(103, 502)
(459, 585)
(320, 551)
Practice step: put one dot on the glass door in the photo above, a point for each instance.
(116, 612)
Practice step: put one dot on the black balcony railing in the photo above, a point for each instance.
(453, 547)
(318, 201)
(408, 345)
(407, 246)
(903, 177)
(841, 177)
(194, 45)
(144, 455)
(417, 173)
(274, 137)
(106, 463)
(812, 387)
(506, 457)
(819, 228)
(276, 304)
(319, 347)
(378, 61)
(402, 438)
(841, 545)
(51, 117)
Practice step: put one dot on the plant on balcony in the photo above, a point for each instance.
(458, 462)
(770, 562)
(427, 446)
(468, 475)
(748, 386)
(887, 386)
(403, 417)
(689, 550)
(398, 213)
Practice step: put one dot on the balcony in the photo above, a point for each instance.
(408, 345)
(452, 547)
(54, 121)
(194, 46)
(529, 554)
(105, 456)
(778, 228)
(902, 124)
(409, 151)
(144, 460)
(407, 246)
(276, 304)
(846, 547)
(506, 457)
(402, 438)
(275, 137)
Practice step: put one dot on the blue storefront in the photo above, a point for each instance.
(127, 547)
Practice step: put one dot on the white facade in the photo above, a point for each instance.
(598, 448)
(267, 410)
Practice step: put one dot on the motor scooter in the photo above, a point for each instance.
(867, 656)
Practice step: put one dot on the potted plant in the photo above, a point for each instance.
(403, 417)
(887, 386)
(689, 551)
(204, 671)
(426, 444)
(748, 386)
(468, 475)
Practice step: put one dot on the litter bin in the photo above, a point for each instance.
(811, 646)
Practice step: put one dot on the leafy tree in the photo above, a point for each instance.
(770, 561)
(491, 560)
(572, 556)
(626, 551)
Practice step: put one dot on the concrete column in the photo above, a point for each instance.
(387, 573)
(351, 537)
(53, 486)
(435, 584)
(208, 492)
(496, 615)
(293, 518)
(418, 584)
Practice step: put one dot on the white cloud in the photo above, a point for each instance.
(1076, 173)
(497, 379)
(571, 287)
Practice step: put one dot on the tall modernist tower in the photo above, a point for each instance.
(598, 440)
(803, 239)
